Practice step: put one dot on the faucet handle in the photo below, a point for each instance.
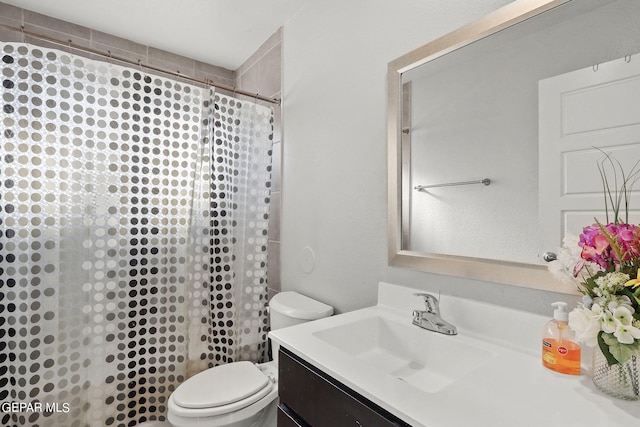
(430, 301)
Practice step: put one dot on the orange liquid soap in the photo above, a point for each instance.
(561, 356)
(560, 352)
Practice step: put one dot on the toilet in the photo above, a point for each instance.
(242, 394)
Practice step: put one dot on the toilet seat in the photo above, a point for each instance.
(221, 390)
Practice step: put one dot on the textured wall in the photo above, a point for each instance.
(335, 57)
(262, 73)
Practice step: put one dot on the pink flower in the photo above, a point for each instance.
(625, 234)
(596, 248)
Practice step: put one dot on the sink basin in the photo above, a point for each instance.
(427, 360)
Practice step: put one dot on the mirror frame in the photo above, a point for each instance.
(534, 276)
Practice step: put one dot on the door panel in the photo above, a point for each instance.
(582, 115)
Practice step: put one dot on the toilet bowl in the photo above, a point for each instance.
(241, 394)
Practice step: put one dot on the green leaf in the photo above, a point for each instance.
(590, 283)
(614, 351)
(634, 302)
(604, 346)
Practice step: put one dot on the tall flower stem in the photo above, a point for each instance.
(621, 193)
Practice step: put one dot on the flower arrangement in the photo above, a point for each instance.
(603, 261)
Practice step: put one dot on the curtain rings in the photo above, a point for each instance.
(141, 68)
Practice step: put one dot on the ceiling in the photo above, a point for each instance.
(219, 32)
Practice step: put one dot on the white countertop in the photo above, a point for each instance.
(511, 389)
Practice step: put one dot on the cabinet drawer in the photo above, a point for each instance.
(322, 401)
(288, 419)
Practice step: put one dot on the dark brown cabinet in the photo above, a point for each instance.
(310, 397)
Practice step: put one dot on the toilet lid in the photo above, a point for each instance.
(221, 385)
(298, 306)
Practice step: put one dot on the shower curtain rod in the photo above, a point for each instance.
(69, 43)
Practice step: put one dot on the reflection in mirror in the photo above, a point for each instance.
(465, 108)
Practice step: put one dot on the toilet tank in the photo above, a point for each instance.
(291, 308)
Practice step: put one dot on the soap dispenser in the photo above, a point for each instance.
(560, 352)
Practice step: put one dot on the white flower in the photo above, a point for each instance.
(623, 315)
(626, 334)
(567, 258)
(608, 322)
(609, 284)
(585, 324)
(596, 307)
(625, 301)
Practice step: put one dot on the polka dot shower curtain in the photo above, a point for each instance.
(133, 235)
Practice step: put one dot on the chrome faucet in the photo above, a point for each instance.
(430, 318)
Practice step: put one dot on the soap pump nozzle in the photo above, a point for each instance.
(560, 313)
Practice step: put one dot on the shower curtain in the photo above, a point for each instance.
(133, 237)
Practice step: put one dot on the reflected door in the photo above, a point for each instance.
(583, 115)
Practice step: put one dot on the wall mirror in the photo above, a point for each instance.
(464, 126)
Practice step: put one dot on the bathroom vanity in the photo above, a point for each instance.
(372, 367)
(309, 396)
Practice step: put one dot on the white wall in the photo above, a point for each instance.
(335, 56)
